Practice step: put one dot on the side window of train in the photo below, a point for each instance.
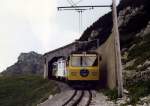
(67, 61)
(100, 58)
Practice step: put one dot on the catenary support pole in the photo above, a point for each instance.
(117, 50)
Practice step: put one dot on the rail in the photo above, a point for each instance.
(79, 98)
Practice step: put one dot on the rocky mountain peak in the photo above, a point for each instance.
(28, 63)
(30, 57)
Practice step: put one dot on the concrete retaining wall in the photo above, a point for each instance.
(108, 62)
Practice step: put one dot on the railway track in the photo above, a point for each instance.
(79, 98)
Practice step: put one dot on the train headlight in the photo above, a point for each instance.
(84, 72)
(73, 73)
(94, 73)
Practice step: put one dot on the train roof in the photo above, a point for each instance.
(84, 52)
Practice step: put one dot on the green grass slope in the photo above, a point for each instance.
(25, 90)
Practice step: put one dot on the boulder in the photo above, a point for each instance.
(146, 63)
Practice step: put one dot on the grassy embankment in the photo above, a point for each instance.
(25, 90)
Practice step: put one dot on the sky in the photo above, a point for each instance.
(36, 25)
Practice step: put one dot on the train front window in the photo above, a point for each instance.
(84, 61)
(76, 61)
(89, 61)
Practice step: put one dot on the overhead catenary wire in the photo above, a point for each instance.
(73, 4)
(80, 20)
(79, 1)
(80, 10)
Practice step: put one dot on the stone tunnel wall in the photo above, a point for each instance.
(63, 51)
(108, 72)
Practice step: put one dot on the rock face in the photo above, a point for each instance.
(133, 16)
(28, 63)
